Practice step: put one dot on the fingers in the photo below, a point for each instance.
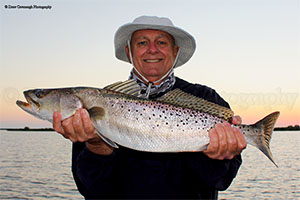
(241, 141)
(87, 124)
(231, 150)
(57, 122)
(62, 127)
(77, 128)
(225, 142)
(68, 129)
(213, 147)
(236, 120)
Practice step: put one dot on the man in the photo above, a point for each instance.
(154, 46)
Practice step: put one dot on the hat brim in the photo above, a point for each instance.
(183, 40)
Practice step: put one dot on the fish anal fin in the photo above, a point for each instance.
(180, 98)
(107, 141)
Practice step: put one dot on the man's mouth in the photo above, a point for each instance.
(152, 60)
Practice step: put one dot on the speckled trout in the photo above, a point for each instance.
(175, 122)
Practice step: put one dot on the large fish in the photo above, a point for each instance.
(175, 122)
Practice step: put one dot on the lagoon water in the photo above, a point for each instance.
(37, 165)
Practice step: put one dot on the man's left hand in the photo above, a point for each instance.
(225, 141)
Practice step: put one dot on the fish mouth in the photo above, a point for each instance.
(30, 105)
(23, 104)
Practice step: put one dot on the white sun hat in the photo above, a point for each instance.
(183, 39)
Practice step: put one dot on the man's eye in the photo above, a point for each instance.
(142, 43)
(162, 43)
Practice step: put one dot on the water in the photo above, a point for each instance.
(37, 165)
(258, 178)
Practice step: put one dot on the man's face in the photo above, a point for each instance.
(153, 53)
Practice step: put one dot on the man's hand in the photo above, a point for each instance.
(79, 128)
(225, 141)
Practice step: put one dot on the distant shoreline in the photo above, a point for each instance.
(27, 129)
(288, 128)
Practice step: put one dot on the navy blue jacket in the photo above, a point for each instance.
(133, 174)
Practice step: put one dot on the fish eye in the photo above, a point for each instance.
(39, 93)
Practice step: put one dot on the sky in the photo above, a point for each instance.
(247, 50)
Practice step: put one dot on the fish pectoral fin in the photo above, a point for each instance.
(97, 113)
(107, 141)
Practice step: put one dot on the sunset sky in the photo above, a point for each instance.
(247, 50)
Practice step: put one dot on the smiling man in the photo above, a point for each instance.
(153, 53)
(154, 47)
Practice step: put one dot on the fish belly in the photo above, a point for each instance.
(155, 127)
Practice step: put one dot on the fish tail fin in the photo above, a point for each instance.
(266, 126)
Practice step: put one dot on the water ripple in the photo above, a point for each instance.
(37, 166)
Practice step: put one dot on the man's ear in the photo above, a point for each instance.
(127, 53)
(176, 49)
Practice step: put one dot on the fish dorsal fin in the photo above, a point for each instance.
(182, 99)
(130, 87)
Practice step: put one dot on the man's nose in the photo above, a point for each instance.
(153, 48)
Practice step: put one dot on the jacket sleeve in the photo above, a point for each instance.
(92, 173)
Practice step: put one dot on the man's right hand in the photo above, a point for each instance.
(79, 128)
